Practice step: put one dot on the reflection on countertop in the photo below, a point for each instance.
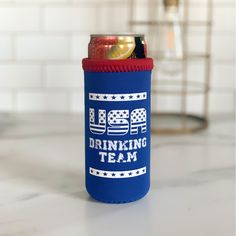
(42, 188)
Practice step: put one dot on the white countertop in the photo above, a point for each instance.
(42, 188)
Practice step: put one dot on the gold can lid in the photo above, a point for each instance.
(171, 3)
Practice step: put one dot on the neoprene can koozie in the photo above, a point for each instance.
(117, 128)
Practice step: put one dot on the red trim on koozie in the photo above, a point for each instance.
(126, 65)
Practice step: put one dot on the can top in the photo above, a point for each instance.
(117, 46)
(117, 35)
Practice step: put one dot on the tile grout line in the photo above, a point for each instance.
(91, 3)
(14, 56)
(194, 33)
(14, 47)
(41, 17)
(14, 99)
(43, 79)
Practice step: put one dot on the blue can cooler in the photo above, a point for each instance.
(117, 128)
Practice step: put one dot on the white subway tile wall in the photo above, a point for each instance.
(6, 52)
(15, 18)
(67, 18)
(57, 75)
(42, 47)
(77, 102)
(6, 101)
(42, 43)
(38, 100)
(20, 76)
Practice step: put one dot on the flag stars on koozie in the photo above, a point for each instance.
(91, 115)
(118, 97)
(117, 114)
(118, 174)
(138, 115)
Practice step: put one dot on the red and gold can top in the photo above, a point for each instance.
(117, 46)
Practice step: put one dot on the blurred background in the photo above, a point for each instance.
(42, 190)
(42, 43)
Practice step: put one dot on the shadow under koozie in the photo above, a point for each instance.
(117, 128)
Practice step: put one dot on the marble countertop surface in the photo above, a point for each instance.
(42, 188)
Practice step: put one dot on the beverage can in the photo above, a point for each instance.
(117, 95)
(116, 47)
